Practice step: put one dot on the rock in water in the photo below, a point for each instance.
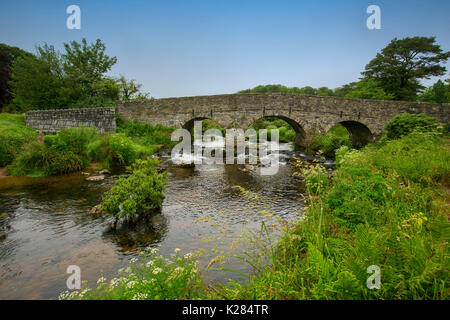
(96, 178)
(96, 210)
(105, 171)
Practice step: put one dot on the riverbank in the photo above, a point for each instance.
(385, 214)
(377, 230)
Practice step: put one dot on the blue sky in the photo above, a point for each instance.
(186, 48)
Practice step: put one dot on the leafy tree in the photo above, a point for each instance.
(5, 72)
(36, 86)
(345, 89)
(130, 90)
(325, 91)
(278, 88)
(8, 55)
(368, 89)
(308, 90)
(86, 63)
(402, 63)
(439, 92)
(51, 80)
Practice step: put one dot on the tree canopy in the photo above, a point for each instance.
(401, 65)
(73, 79)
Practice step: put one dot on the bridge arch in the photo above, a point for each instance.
(359, 133)
(189, 125)
(300, 134)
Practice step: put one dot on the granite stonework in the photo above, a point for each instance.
(364, 119)
(51, 121)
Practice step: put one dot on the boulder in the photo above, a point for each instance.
(96, 178)
(96, 210)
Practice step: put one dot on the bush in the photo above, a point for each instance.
(406, 123)
(57, 154)
(37, 159)
(139, 194)
(124, 151)
(286, 132)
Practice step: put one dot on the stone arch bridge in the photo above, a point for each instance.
(364, 119)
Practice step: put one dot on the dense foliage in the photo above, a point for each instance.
(329, 142)
(402, 63)
(285, 131)
(406, 123)
(73, 79)
(13, 136)
(139, 194)
(8, 55)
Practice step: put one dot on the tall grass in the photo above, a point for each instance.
(14, 134)
(385, 208)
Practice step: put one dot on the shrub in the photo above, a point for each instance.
(57, 154)
(406, 123)
(37, 159)
(139, 194)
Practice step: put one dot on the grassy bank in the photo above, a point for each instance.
(385, 207)
(25, 152)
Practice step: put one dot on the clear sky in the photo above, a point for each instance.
(186, 48)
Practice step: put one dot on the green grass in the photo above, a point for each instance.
(14, 134)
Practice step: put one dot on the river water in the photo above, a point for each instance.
(46, 227)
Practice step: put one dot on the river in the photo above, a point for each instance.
(46, 227)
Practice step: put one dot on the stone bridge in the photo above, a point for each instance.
(364, 119)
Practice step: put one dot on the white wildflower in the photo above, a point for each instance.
(157, 270)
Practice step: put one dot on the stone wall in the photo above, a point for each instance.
(51, 121)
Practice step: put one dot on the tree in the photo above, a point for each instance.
(368, 89)
(325, 91)
(5, 72)
(8, 55)
(436, 93)
(345, 89)
(51, 80)
(402, 63)
(35, 86)
(86, 63)
(130, 90)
